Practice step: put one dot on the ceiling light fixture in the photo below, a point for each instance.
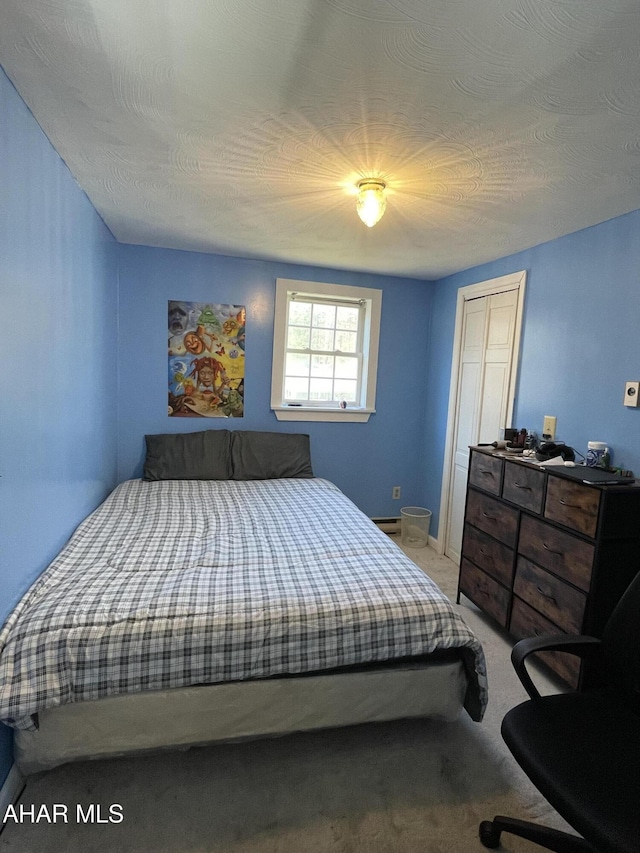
(371, 201)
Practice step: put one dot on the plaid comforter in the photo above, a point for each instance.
(174, 583)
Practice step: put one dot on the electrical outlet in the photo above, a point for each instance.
(395, 493)
(632, 394)
(549, 427)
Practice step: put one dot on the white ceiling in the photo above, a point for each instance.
(241, 126)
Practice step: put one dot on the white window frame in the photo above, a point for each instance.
(371, 301)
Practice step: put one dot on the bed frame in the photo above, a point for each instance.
(195, 716)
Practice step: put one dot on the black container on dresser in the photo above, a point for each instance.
(545, 553)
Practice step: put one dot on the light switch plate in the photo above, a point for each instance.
(632, 394)
(549, 427)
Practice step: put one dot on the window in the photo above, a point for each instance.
(325, 351)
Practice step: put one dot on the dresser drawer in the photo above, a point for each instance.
(574, 504)
(492, 516)
(523, 486)
(562, 604)
(483, 590)
(486, 472)
(488, 554)
(527, 622)
(565, 555)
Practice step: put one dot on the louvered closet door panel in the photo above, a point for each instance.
(466, 429)
(500, 329)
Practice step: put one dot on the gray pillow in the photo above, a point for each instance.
(204, 455)
(269, 455)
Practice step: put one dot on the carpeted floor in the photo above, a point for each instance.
(404, 787)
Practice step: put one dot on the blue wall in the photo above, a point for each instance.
(580, 342)
(58, 280)
(364, 460)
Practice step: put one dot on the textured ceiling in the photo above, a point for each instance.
(241, 126)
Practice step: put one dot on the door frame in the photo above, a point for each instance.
(512, 281)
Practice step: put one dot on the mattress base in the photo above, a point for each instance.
(195, 716)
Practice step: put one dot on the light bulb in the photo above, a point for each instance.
(371, 202)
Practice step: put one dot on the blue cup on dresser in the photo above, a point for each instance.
(598, 454)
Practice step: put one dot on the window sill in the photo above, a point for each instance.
(316, 413)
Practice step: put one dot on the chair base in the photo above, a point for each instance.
(551, 839)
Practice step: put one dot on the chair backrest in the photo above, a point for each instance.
(620, 657)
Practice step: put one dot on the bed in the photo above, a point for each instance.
(186, 610)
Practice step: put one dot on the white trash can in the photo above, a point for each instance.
(415, 526)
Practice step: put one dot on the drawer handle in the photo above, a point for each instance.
(571, 506)
(522, 486)
(490, 517)
(546, 594)
(551, 551)
(486, 471)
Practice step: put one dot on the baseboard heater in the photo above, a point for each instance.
(388, 525)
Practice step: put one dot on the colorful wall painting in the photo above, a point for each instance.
(206, 360)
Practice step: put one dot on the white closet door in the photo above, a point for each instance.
(488, 334)
(498, 348)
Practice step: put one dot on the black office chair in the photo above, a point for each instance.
(582, 749)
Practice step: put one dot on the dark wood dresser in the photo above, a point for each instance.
(545, 553)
